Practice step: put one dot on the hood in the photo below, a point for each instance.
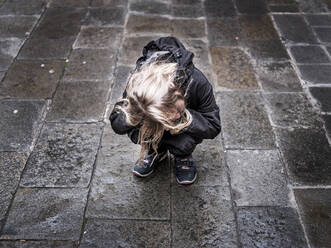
(172, 50)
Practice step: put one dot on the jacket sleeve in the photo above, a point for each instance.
(206, 123)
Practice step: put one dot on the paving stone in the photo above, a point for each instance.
(132, 48)
(150, 7)
(318, 19)
(90, 64)
(109, 3)
(106, 16)
(233, 68)
(322, 95)
(17, 135)
(288, 8)
(309, 54)
(16, 26)
(257, 178)
(215, 8)
(121, 77)
(264, 50)
(68, 3)
(293, 28)
(36, 244)
(307, 154)
(99, 37)
(292, 110)
(188, 28)
(148, 24)
(207, 222)
(278, 77)
(55, 214)
(223, 31)
(28, 79)
(327, 120)
(11, 167)
(316, 74)
(270, 227)
(70, 104)
(117, 193)
(324, 34)
(312, 6)
(315, 208)
(18, 7)
(191, 11)
(257, 28)
(8, 50)
(63, 156)
(244, 120)
(123, 233)
(252, 7)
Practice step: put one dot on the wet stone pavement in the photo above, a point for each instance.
(65, 176)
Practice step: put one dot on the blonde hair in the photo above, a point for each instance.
(151, 97)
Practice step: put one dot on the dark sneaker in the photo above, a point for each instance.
(186, 173)
(145, 167)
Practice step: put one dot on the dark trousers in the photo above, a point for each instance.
(180, 145)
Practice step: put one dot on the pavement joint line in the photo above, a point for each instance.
(311, 186)
(129, 219)
(170, 17)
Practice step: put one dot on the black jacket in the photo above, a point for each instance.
(199, 96)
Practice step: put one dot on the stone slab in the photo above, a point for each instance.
(315, 209)
(257, 28)
(132, 48)
(37, 244)
(55, 214)
(233, 68)
(11, 167)
(285, 8)
(31, 79)
(184, 2)
(150, 7)
(9, 49)
(90, 65)
(63, 156)
(109, 16)
(323, 34)
(188, 11)
(68, 3)
(245, 121)
(266, 50)
(216, 9)
(309, 54)
(123, 233)
(207, 222)
(18, 135)
(307, 155)
(294, 29)
(16, 26)
(316, 74)
(121, 77)
(223, 31)
(322, 95)
(270, 227)
(148, 24)
(18, 7)
(188, 28)
(257, 178)
(278, 77)
(117, 193)
(70, 104)
(99, 37)
(319, 19)
(253, 7)
(292, 110)
(312, 6)
(108, 3)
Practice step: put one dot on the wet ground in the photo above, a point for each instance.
(65, 177)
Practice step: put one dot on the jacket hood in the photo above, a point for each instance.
(172, 50)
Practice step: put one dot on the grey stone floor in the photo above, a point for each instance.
(65, 176)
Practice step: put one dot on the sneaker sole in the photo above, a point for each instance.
(146, 175)
(188, 182)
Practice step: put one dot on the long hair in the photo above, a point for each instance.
(151, 98)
